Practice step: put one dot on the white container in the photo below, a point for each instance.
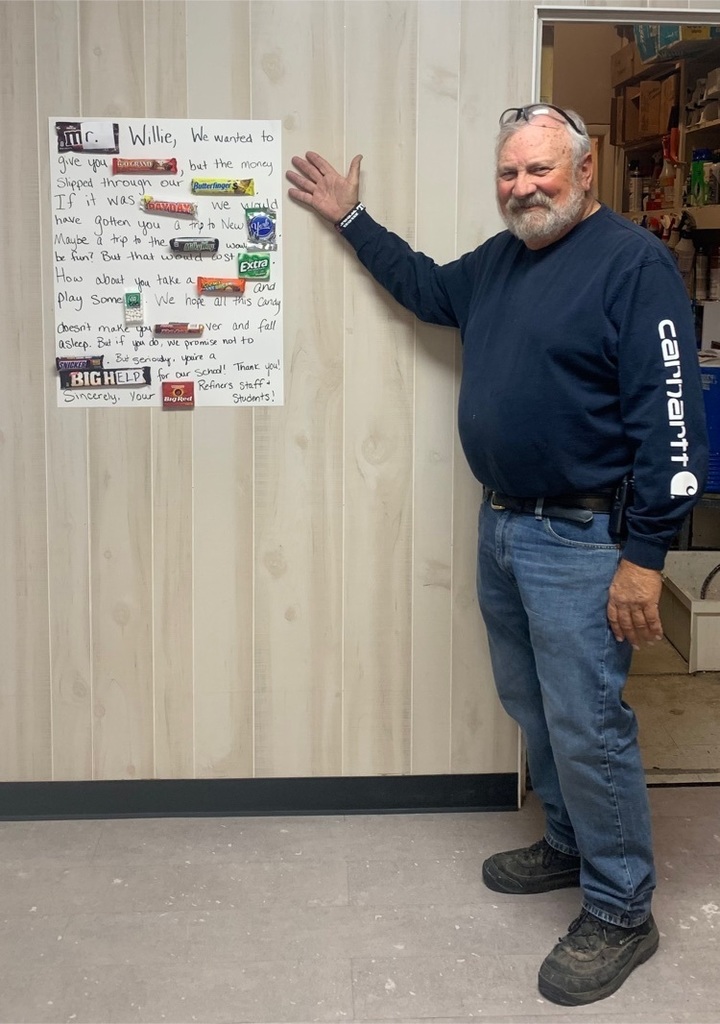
(692, 625)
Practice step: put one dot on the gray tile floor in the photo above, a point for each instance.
(372, 918)
(679, 716)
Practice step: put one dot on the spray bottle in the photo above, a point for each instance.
(685, 254)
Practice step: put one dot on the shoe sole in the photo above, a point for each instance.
(644, 951)
(498, 881)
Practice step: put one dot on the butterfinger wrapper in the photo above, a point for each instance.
(223, 186)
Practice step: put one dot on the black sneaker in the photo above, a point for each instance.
(594, 959)
(536, 868)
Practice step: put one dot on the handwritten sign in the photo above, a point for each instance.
(136, 226)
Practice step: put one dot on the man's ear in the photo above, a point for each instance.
(586, 171)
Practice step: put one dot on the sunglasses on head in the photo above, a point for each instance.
(513, 114)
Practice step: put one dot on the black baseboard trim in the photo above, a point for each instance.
(190, 797)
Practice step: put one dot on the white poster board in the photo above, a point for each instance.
(165, 207)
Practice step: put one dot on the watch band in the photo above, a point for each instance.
(350, 217)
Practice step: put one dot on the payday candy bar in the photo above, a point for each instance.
(194, 244)
(86, 363)
(121, 166)
(221, 284)
(223, 186)
(167, 206)
(195, 329)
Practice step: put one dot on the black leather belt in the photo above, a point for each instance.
(589, 501)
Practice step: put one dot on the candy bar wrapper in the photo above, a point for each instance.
(87, 136)
(194, 245)
(116, 377)
(151, 205)
(220, 285)
(261, 230)
(142, 166)
(177, 328)
(83, 363)
(253, 266)
(223, 186)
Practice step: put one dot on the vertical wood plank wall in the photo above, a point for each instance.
(267, 592)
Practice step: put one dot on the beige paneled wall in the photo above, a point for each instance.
(270, 592)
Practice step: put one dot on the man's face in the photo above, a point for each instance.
(540, 194)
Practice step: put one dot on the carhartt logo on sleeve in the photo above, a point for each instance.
(682, 484)
(685, 482)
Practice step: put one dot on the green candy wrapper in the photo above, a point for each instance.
(254, 266)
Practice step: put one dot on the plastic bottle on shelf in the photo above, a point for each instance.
(701, 275)
(674, 236)
(634, 188)
(685, 254)
(685, 199)
(698, 176)
(666, 178)
(713, 292)
(714, 196)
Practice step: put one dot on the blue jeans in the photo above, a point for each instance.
(543, 589)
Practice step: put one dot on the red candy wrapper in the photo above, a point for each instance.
(221, 285)
(167, 206)
(142, 166)
(178, 328)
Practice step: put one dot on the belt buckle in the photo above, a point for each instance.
(497, 508)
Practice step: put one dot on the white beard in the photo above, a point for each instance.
(538, 218)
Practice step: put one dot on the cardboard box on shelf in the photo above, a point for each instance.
(631, 114)
(650, 93)
(617, 121)
(669, 91)
(623, 63)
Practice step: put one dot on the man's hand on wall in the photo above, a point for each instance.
(321, 187)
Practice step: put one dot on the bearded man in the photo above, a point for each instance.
(581, 413)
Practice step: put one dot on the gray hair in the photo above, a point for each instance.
(579, 140)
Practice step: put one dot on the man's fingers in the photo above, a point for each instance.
(300, 196)
(308, 171)
(635, 624)
(320, 164)
(299, 181)
(354, 172)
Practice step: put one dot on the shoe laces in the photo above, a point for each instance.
(548, 852)
(588, 933)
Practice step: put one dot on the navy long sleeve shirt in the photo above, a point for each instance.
(579, 364)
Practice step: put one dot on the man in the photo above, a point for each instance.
(581, 413)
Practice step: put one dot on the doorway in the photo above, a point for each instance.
(679, 712)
